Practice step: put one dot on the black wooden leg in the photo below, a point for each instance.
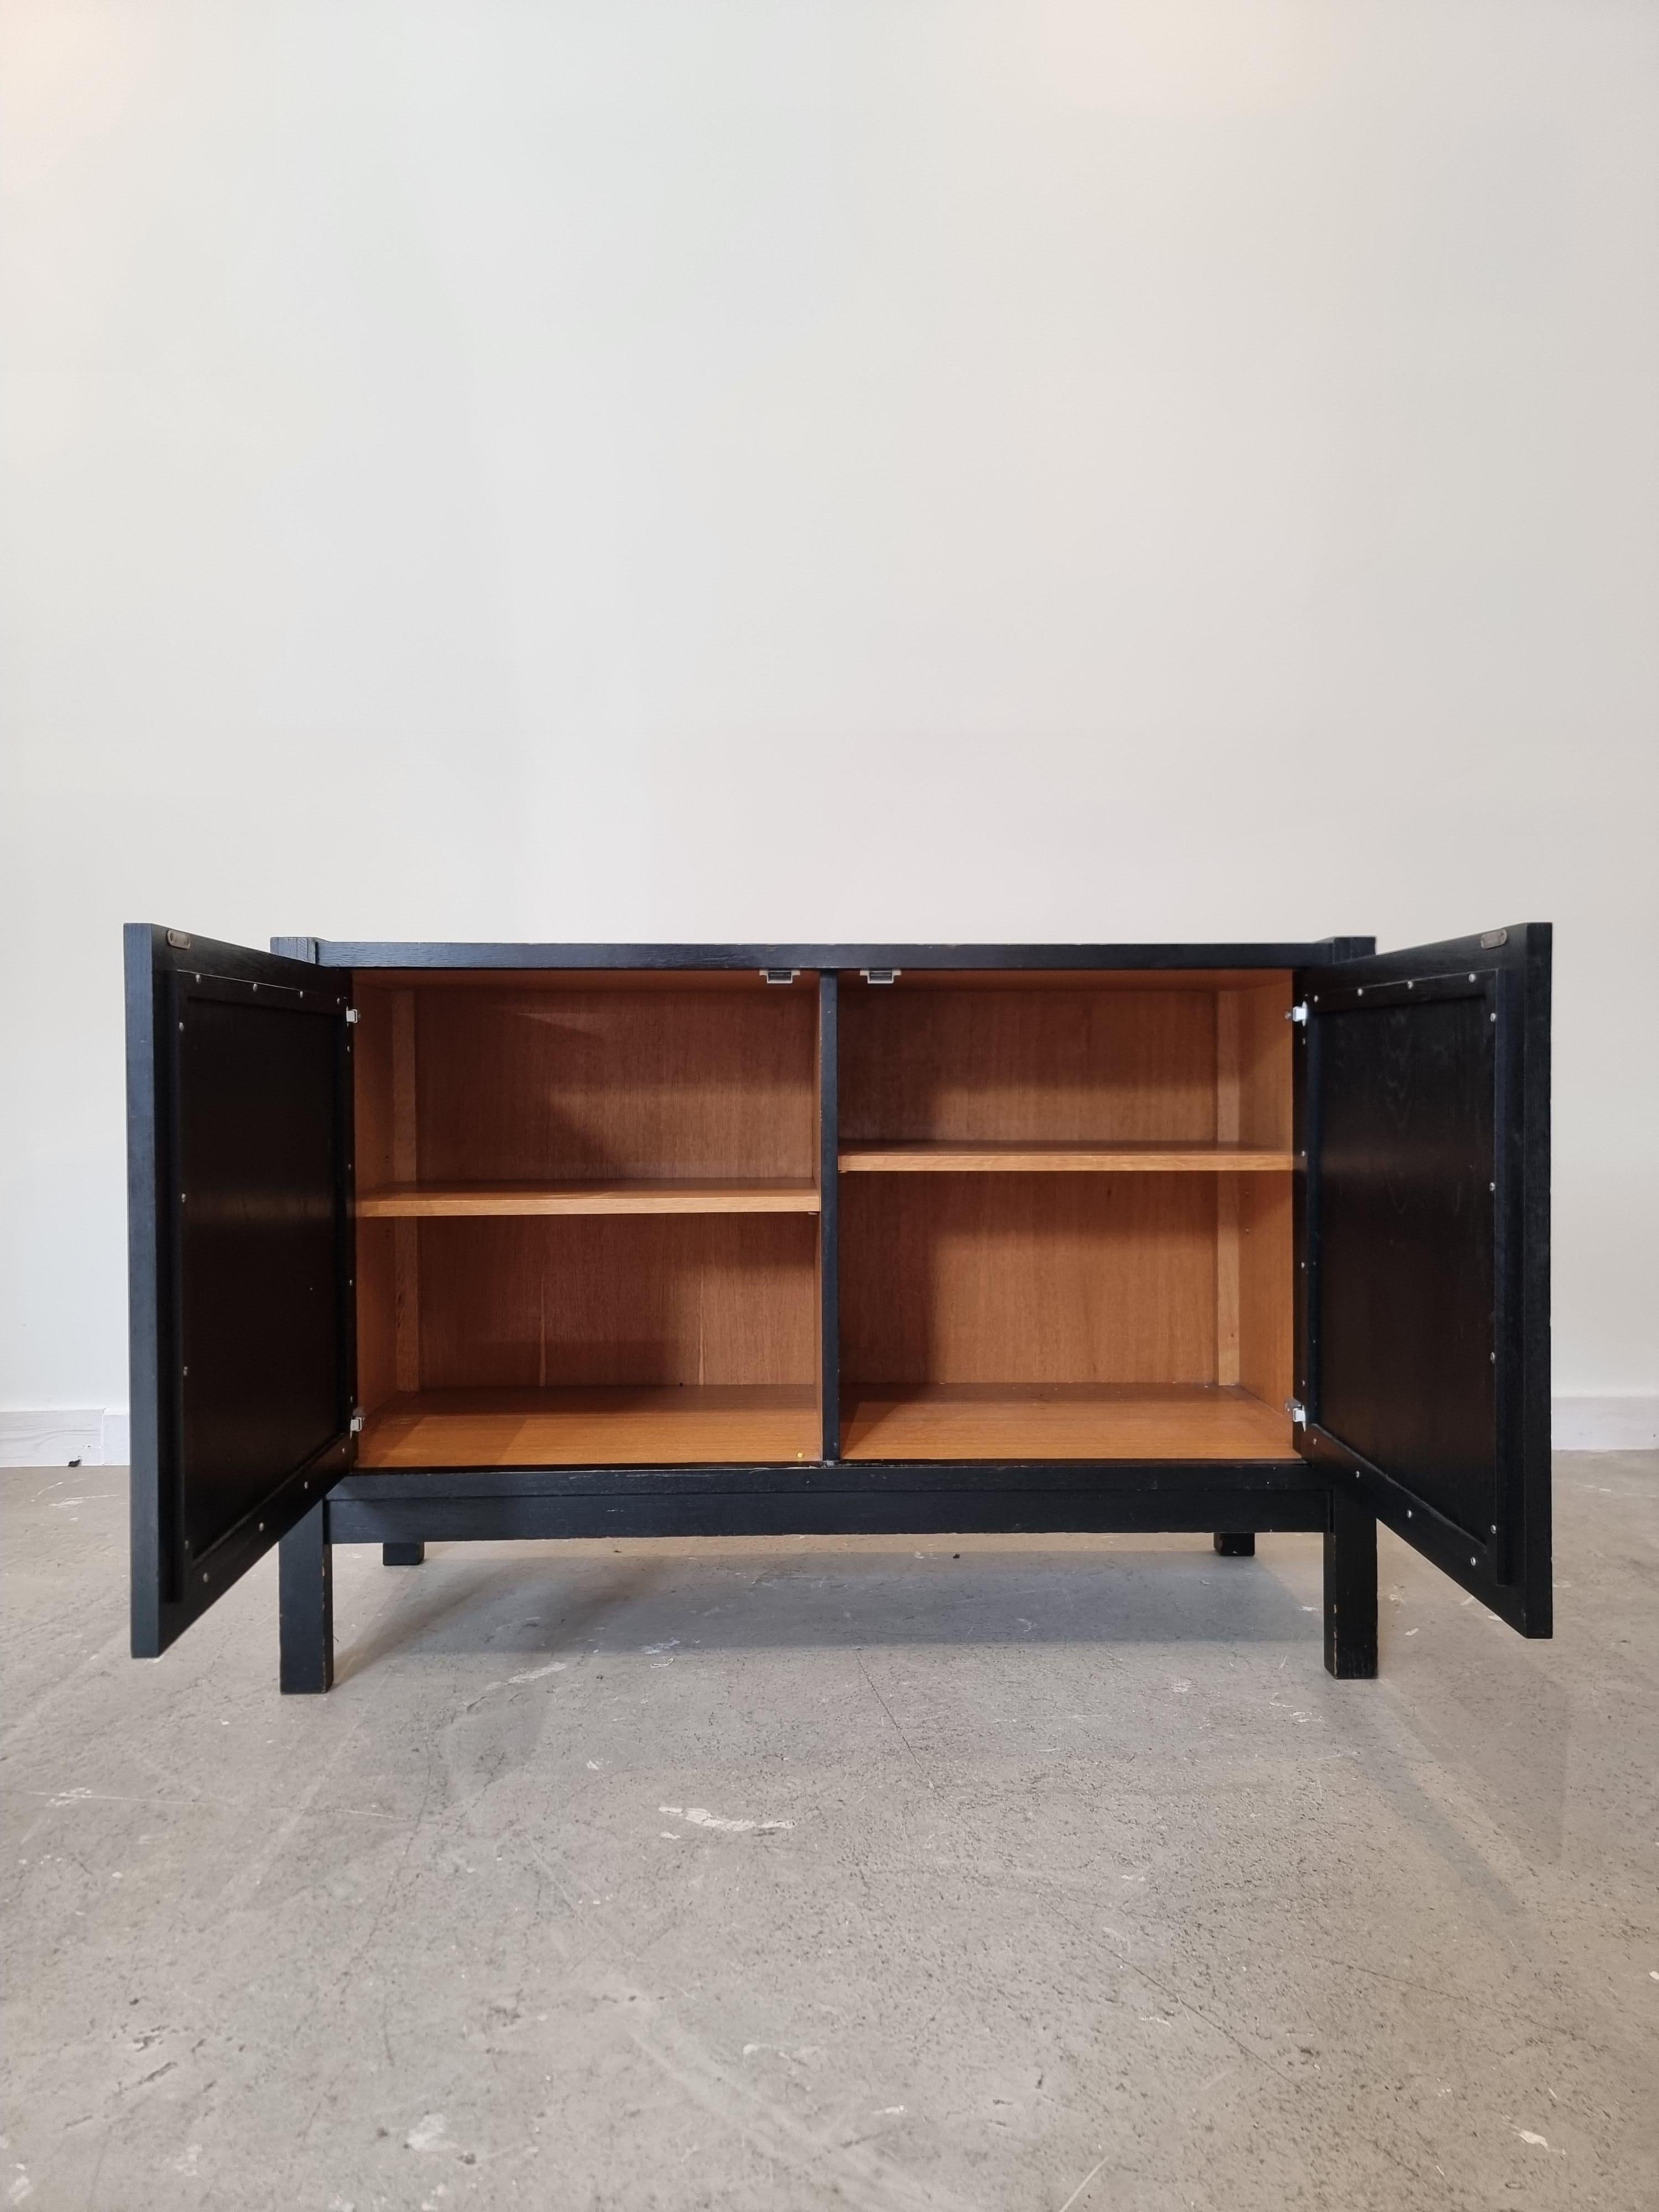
(1350, 1588)
(1233, 1545)
(403, 1555)
(305, 1587)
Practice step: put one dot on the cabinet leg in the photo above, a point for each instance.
(403, 1555)
(1231, 1545)
(305, 1588)
(1350, 1589)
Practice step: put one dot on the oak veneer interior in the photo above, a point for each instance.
(426, 1201)
(1062, 1421)
(916, 1158)
(570, 1186)
(1076, 1187)
(623, 1426)
(587, 1229)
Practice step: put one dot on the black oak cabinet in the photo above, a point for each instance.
(436, 1241)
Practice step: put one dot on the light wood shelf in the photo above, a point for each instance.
(691, 1424)
(1006, 1421)
(426, 1201)
(909, 1157)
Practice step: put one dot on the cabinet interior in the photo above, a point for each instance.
(1065, 1219)
(588, 1217)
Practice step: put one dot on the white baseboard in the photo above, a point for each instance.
(56, 1436)
(1622, 1423)
(100, 1436)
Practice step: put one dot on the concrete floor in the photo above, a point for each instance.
(1055, 1876)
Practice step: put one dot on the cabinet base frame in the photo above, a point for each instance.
(405, 1510)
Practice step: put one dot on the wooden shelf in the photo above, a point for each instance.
(424, 1202)
(907, 1158)
(888, 1420)
(692, 1425)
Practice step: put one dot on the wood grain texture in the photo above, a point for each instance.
(1267, 1275)
(561, 1087)
(1075, 979)
(427, 1201)
(997, 1421)
(1042, 1066)
(684, 1427)
(1028, 1279)
(1263, 1056)
(1227, 1077)
(405, 1167)
(604, 981)
(1266, 1253)
(633, 1299)
(918, 1159)
(377, 1266)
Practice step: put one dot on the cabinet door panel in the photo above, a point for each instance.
(238, 1204)
(1424, 1354)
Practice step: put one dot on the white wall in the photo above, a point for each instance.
(1183, 468)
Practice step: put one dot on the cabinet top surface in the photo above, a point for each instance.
(339, 952)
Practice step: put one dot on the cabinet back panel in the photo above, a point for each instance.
(984, 1064)
(531, 1086)
(1029, 1278)
(641, 1298)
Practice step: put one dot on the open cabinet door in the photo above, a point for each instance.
(1423, 1352)
(238, 1156)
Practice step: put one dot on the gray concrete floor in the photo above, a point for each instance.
(1056, 1876)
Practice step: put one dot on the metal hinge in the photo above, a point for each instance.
(1298, 1013)
(779, 975)
(1298, 1412)
(356, 1422)
(351, 1013)
(180, 938)
(881, 974)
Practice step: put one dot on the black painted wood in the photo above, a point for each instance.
(1165, 1478)
(350, 952)
(304, 1597)
(241, 1316)
(1025, 1501)
(1423, 1344)
(1402, 1099)
(1350, 1588)
(403, 1555)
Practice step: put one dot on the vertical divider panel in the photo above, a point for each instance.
(1227, 1127)
(405, 1169)
(829, 1151)
(1266, 1248)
